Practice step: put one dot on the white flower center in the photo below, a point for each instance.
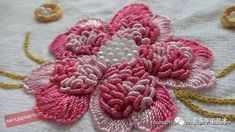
(118, 50)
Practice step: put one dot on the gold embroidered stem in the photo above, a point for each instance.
(10, 86)
(226, 70)
(187, 96)
(203, 99)
(182, 96)
(18, 76)
(12, 75)
(26, 50)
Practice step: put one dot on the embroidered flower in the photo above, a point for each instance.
(124, 67)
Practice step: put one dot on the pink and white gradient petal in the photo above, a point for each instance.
(164, 24)
(39, 77)
(162, 111)
(139, 10)
(104, 122)
(62, 108)
(198, 80)
(203, 55)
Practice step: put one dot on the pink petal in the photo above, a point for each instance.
(39, 77)
(104, 122)
(164, 25)
(162, 111)
(203, 55)
(199, 79)
(59, 107)
(132, 10)
(58, 45)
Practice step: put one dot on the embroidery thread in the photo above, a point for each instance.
(228, 17)
(122, 70)
(48, 12)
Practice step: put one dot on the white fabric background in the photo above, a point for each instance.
(191, 19)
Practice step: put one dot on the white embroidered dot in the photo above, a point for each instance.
(118, 50)
(45, 11)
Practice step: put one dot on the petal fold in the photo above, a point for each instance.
(39, 77)
(104, 122)
(199, 79)
(62, 108)
(164, 25)
(203, 55)
(137, 11)
(162, 112)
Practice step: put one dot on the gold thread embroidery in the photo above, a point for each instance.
(12, 75)
(26, 50)
(186, 97)
(226, 70)
(10, 85)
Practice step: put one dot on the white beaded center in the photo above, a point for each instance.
(118, 50)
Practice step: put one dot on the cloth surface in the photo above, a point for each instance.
(192, 19)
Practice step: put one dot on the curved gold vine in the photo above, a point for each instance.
(11, 85)
(226, 70)
(26, 50)
(16, 76)
(186, 97)
(12, 75)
